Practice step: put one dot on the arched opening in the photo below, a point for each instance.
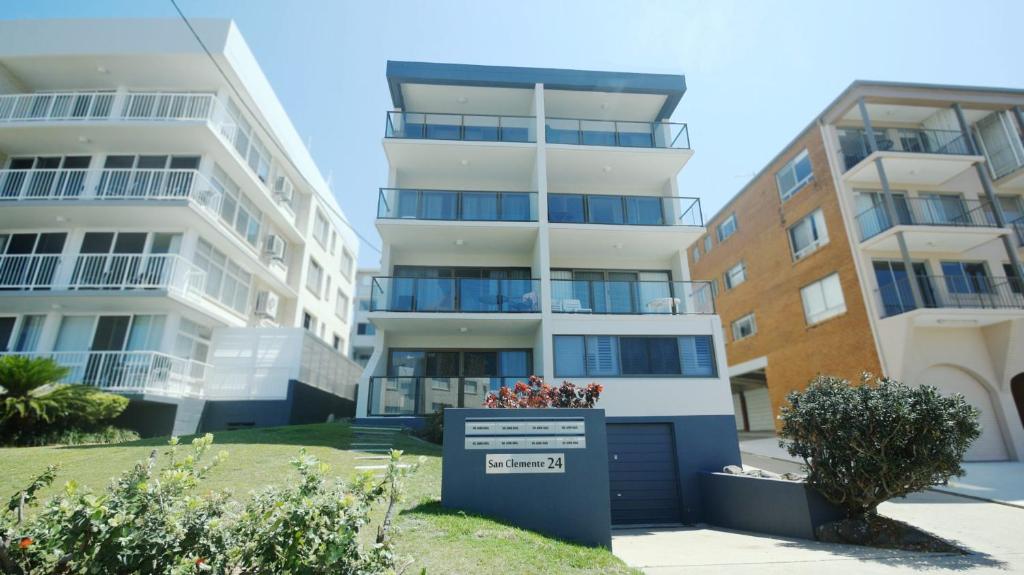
(1017, 389)
(990, 446)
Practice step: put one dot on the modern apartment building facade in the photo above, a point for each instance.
(363, 331)
(163, 231)
(532, 224)
(810, 260)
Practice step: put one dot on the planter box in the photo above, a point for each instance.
(761, 505)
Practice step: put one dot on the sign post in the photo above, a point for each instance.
(540, 469)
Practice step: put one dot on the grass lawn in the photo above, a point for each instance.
(434, 538)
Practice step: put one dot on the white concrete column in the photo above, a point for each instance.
(51, 327)
(543, 359)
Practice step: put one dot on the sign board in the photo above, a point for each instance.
(525, 463)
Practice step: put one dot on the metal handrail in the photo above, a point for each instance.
(399, 210)
(171, 272)
(109, 184)
(95, 105)
(412, 396)
(692, 215)
(632, 297)
(131, 371)
(503, 128)
(910, 140)
(955, 292)
(454, 295)
(925, 212)
(657, 135)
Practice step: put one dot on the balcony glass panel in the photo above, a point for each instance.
(450, 205)
(621, 296)
(605, 210)
(617, 210)
(616, 133)
(928, 210)
(480, 206)
(566, 208)
(855, 146)
(462, 295)
(471, 128)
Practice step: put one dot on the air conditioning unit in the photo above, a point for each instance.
(274, 246)
(266, 304)
(283, 190)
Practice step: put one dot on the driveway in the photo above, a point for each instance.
(991, 530)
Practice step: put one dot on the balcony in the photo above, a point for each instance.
(460, 127)
(937, 224)
(963, 292)
(461, 206)
(109, 184)
(419, 396)
(1018, 230)
(631, 297)
(133, 372)
(910, 155)
(455, 295)
(624, 210)
(91, 106)
(616, 134)
(107, 272)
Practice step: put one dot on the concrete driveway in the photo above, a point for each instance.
(992, 532)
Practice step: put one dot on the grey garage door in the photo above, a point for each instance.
(642, 473)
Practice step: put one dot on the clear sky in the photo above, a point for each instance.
(757, 72)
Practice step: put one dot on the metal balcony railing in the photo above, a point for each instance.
(455, 295)
(936, 211)
(854, 142)
(959, 292)
(109, 184)
(616, 133)
(90, 106)
(632, 297)
(624, 210)
(451, 205)
(417, 396)
(462, 127)
(35, 272)
(1018, 229)
(131, 371)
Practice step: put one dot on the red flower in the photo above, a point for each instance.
(200, 561)
(25, 543)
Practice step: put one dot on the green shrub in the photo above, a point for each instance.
(99, 436)
(863, 445)
(150, 520)
(433, 429)
(34, 406)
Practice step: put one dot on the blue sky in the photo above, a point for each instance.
(757, 72)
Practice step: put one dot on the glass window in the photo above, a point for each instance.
(347, 263)
(480, 206)
(341, 306)
(602, 355)
(650, 356)
(794, 175)
(823, 299)
(565, 208)
(237, 210)
(697, 355)
(808, 234)
(707, 244)
(321, 227)
(308, 321)
(605, 210)
(570, 356)
(735, 275)
(696, 254)
(315, 277)
(226, 281)
(966, 277)
(366, 329)
(744, 327)
(726, 228)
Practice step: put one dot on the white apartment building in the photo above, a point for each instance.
(532, 224)
(363, 333)
(164, 233)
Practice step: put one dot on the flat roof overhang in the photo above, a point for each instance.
(456, 324)
(954, 317)
(117, 302)
(672, 86)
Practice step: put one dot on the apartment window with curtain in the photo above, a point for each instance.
(823, 299)
(321, 227)
(315, 277)
(726, 228)
(735, 275)
(808, 234)
(794, 175)
(633, 356)
(226, 282)
(744, 327)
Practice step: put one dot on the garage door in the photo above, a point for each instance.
(990, 446)
(642, 473)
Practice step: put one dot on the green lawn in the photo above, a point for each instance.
(434, 538)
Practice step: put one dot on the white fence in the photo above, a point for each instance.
(171, 272)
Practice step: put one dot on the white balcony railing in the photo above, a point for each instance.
(170, 272)
(92, 106)
(109, 184)
(131, 371)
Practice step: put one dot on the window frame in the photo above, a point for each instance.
(798, 184)
(722, 236)
(585, 338)
(827, 313)
(313, 264)
(321, 228)
(340, 310)
(726, 279)
(821, 240)
(751, 319)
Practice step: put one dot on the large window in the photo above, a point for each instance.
(315, 277)
(808, 234)
(823, 299)
(347, 263)
(321, 228)
(794, 175)
(364, 328)
(341, 306)
(248, 144)
(735, 275)
(192, 341)
(238, 211)
(226, 282)
(744, 327)
(726, 228)
(707, 244)
(625, 356)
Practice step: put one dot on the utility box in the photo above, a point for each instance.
(540, 469)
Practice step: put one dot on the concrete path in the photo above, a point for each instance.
(999, 481)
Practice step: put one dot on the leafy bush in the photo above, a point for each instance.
(536, 393)
(433, 431)
(863, 445)
(34, 406)
(98, 435)
(149, 520)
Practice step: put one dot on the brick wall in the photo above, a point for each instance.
(842, 345)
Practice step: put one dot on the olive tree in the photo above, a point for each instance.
(865, 444)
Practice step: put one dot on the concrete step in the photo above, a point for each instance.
(369, 467)
(373, 457)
